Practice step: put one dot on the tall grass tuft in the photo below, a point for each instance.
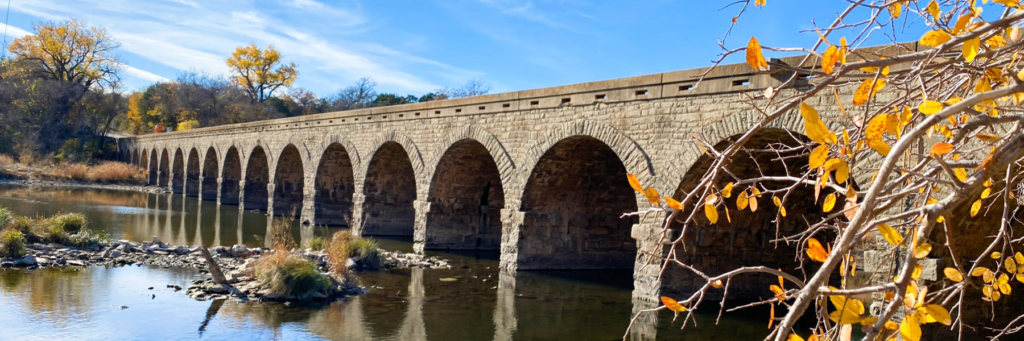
(5, 217)
(317, 243)
(367, 252)
(73, 171)
(12, 243)
(114, 172)
(281, 234)
(338, 253)
(69, 222)
(287, 274)
(6, 160)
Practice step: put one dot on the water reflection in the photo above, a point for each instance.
(471, 301)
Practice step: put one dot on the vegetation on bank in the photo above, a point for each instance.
(70, 229)
(107, 172)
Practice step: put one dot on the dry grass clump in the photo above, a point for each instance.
(338, 253)
(317, 243)
(367, 252)
(290, 275)
(12, 243)
(73, 171)
(281, 234)
(114, 172)
(6, 160)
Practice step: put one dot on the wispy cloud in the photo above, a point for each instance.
(183, 34)
(143, 74)
(13, 32)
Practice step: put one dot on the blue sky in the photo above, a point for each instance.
(413, 47)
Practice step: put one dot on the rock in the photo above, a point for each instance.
(193, 249)
(239, 250)
(174, 286)
(218, 288)
(156, 240)
(181, 250)
(350, 263)
(26, 261)
(319, 296)
(115, 253)
(75, 262)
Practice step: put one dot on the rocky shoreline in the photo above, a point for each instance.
(234, 262)
(81, 184)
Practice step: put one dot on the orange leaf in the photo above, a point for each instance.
(635, 183)
(711, 212)
(675, 205)
(816, 251)
(941, 148)
(828, 62)
(867, 90)
(754, 57)
(672, 305)
(652, 196)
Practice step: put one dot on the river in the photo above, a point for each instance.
(99, 303)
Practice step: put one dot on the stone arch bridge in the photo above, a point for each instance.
(539, 175)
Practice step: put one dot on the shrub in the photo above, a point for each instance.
(338, 253)
(5, 217)
(87, 238)
(6, 160)
(74, 171)
(12, 243)
(114, 172)
(317, 243)
(287, 274)
(21, 223)
(69, 222)
(366, 252)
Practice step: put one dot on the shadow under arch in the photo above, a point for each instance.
(389, 191)
(572, 203)
(288, 183)
(230, 176)
(209, 176)
(335, 186)
(466, 197)
(192, 173)
(741, 237)
(257, 177)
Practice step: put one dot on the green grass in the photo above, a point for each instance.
(317, 243)
(5, 217)
(12, 243)
(367, 252)
(290, 275)
(70, 223)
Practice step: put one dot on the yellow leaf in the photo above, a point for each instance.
(995, 42)
(717, 284)
(818, 156)
(980, 271)
(754, 57)
(771, 317)
(922, 250)
(711, 213)
(975, 207)
(780, 294)
(830, 202)
(635, 183)
(1008, 3)
(890, 234)
(843, 47)
(758, 3)
(929, 107)
(941, 148)
(727, 190)
(936, 313)
(754, 192)
(867, 90)
(970, 49)
(996, 255)
(843, 172)
(933, 8)
(652, 196)
(782, 211)
(1020, 278)
(988, 137)
(794, 337)
(776, 201)
(910, 329)
(892, 124)
(895, 10)
(960, 174)
(876, 127)
(1020, 261)
(1010, 264)
(815, 251)
(675, 205)
(953, 275)
(814, 127)
(879, 146)
(935, 38)
(672, 305)
(741, 200)
(828, 61)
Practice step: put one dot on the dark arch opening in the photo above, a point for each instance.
(744, 238)
(573, 201)
(465, 198)
(178, 172)
(335, 184)
(192, 174)
(257, 176)
(165, 169)
(229, 180)
(288, 183)
(390, 190)
(209, 180)
(133, 157)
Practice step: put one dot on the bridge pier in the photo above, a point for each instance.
(308, 214)
(241, 195)
(358, 200)
(270, 201)
(511, 223)
(646, 280)
(419, 232)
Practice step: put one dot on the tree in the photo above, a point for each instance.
(70, 51)
(260, 72)
(356, 96)
(473, 87)
(925, 159)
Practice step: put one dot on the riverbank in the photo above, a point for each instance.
(65, 183)
(102, 172)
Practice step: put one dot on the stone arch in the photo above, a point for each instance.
(165, 169)
(334, 185)
(572, 202)
(257, 177)
(288, 182)
(499, 154)
(633, 157)
(209, 177)
(743, 237)
(466, 197)
(230, 177)
(178, 172)
(192, 173)
(389, 191)
(149, 172)
(410, 148)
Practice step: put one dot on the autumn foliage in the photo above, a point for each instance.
(921, 155)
